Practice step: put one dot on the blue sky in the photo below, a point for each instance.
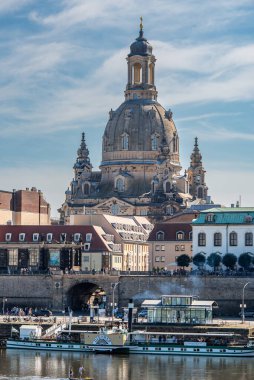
(63, 67)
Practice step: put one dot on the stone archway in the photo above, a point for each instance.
(81, 295)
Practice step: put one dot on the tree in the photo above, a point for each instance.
(214, 260)
(183, 260)
(246, 260)
(229, 260)
(199, 260)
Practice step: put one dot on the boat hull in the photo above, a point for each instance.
(222, 351)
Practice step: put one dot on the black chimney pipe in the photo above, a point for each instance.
(130, 308)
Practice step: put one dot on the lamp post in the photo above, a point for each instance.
(114, 285)
(243, 316)
(4, 300)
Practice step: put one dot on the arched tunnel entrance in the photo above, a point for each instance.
(84, 295)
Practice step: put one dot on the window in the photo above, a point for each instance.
(200, 192)
(177, 248)
(157, 258)
(36, 237)
(77, 237)
(182, 248)
(233, 239)
(201, 239)
(22, 237)
(180, 235)
(13, 257)
(63, 237)
(86, 246)
(217, 239)
(168, 187)
(8, 236)
(137, 73)
(163, 248)
(115, 209)
(33, 257)
(120, 184)
(163, 258)
(249, 239)
(160, 235)
(157, 248)
(154, 142)
(125, 141)
(210, 217)
(49, 237)
(86, 189)
(89, 237)
(190, 236)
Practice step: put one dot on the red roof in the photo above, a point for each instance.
(170, 230)
(97, 243)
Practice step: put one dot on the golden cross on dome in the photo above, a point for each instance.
(141, 23)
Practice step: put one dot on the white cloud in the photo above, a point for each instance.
(7, 6)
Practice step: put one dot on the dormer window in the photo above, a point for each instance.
(210, 218)
(63, 237)
(8, 236)
(22, 236)
(125, 141)
(89, 237)
(49, 237)
(180, 235)
(160, 235)
(35, 237)
(77, 237)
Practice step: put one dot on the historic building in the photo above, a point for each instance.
(24, 207)
(224, 230)
(140, 171)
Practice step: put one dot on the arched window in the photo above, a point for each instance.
(190, 235)
(217, 239)
(168, 187)
(249, 239)
(160, 235)
(125, 141)
(115, 209)
(151, 73)
(137, 73)
(86, 189)
(201, 239)
(233, 239)
(154, 142)
(200, 192)
(120, 184)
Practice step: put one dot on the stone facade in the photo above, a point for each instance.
(140, 171)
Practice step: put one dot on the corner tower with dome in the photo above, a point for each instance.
(140, 168)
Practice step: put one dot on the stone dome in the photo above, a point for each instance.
(147, 127)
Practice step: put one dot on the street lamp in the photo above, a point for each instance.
(4, 300)
(114, 285)
(243, 316)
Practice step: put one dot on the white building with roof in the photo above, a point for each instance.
(224, 230)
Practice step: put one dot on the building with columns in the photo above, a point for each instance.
(140, 171)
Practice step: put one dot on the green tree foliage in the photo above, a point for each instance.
(246, 260)
(183, 260)
(229, 260)
(214, 260)
(199, 260)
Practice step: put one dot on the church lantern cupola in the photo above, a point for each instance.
(141, 64)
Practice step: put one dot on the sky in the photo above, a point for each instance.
(63, 67)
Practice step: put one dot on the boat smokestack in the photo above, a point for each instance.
(130, 309)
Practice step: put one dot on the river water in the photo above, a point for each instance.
(35, 365)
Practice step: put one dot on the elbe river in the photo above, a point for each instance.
(35, 365)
